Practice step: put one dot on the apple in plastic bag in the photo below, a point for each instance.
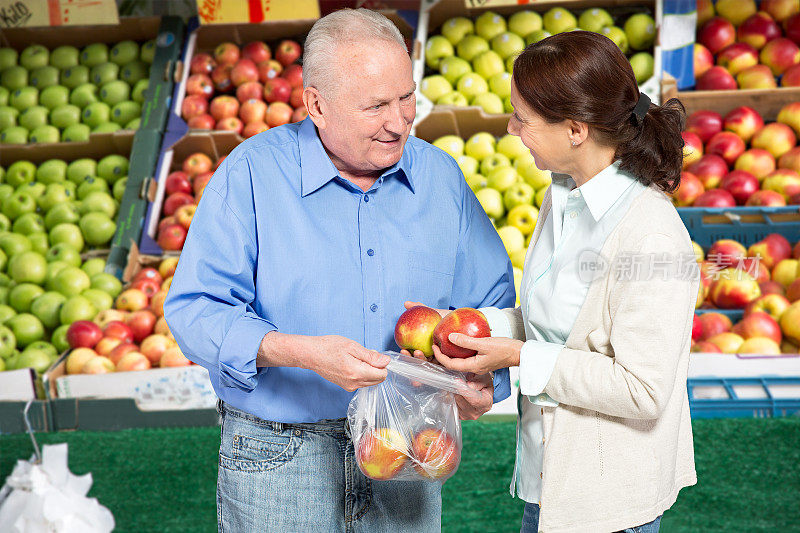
(464, 320)
(382, 453)
(437, 453)
(414, 329)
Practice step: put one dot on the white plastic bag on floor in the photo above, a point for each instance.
(48, 498)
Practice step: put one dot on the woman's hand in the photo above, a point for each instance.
(493, 353)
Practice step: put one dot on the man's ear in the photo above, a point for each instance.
(316, 106)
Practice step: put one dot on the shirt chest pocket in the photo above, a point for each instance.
(430, 278)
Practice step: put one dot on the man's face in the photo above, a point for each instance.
(369, 112)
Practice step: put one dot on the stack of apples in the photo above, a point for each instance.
(132, 336)
(182, 192)
(64, 94)
(738, 160)
(754, 45)
(245, 90)
(733, 276)
(470, 61)
(503, 174)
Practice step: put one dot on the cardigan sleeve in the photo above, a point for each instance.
(505, 322)
(651, 319)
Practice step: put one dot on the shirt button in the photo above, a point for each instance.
(373, 307)
(366, 197)
(573, 214)
(575, 193)
(370, 252)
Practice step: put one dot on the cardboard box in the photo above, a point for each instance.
(768, 102)
(17, 385)
(100, 145)
(459, 121)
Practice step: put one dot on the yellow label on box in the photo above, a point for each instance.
(255, 11)
(31, 13)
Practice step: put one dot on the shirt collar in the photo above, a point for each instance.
(316, 168)
(605, 188)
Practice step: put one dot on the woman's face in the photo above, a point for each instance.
(549, 144)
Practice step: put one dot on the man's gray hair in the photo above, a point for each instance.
(338, 28)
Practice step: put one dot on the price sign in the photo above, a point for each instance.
(255, 11)
(31, 13)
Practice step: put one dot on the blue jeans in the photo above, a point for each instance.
(530, 522)
(304, 478)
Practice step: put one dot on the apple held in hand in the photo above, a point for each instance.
(381, 453)
(436, 452)
(465, 320)
(414, 329)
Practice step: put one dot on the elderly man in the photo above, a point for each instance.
(308, 241)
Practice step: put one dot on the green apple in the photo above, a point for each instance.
(494, 161)
(470, 46)
(72, 188)
(64, 57)
(34, 56)
(27, 267)
(437, 47)
(42, 345)
(124, 52)
(480, 146)
(4, 96)
(14, 78)
(617, 35)
(502, 178)
(471, 85)
(99, 202)
(61, 214)
(8, 117)
(525, 165)
(94, 54)
(44, 77)
(39, 242)
(77, 308)
(91, 185)
(5, 225)
(65, 116)
(7, 341)
(4, 293)
(536, 36)
(106, 127)
(451, 144)
(76, 76)
(456, 28)
(114, 92)
(643, 66)
(491, 201)
(8, 58)
(434, 87)
(76, 133)
(46, 134)
(28, 223)
(97, 228)
(52, 171)
(512, 147)
(519, 193)
(508, 44)
(59, 338)
(148, 51)
(476, 182)
(124, 112)
(133, 124)
(33, 117)
(512, 238)
(452, 68)
(134, 71)
(24, 98)
(558, 20)
(453, 98)
(14, 243)
(523, 216)
(641, 31)
(54, 96)
(47, 306)
(95, 114)
(487, 64)
(118, 190)
(525, 22)
(112, 167)
(93, 266)
(80, 169)
(33, 188)
(69, 234)
(14, 135)
(595, 19)
(18, 204)
(138, 92)
(107, 283)
(6, 312)
(71, 281)
(489, 25)
(21, 296)
(53, 268)
(540, 196)
(104, 73)
(38, 360)
(83, 95)
(500, 84)
(467, 164)
(101, 300)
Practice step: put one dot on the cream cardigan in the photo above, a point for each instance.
(618, 447)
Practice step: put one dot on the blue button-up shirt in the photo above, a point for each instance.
(281, 242)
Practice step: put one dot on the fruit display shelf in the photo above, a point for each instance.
(465, 58)
(78, 87)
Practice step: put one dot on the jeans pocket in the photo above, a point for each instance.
(256, 448)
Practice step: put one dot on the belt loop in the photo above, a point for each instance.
(277, 426)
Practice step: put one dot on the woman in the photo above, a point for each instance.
(602, 335)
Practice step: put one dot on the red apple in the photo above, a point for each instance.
(755, 268)
(277, 90)
(172, 238)
(773, 304)
(268, 70)
(184, 215)
(740, 184)
(141, 323)
(727, 145)
(131, 300)
(705, 11)
(436, 452)
(758, 324)
(200, 182)
(716, 79)
(98, 365)
(705, 347)
(780, 10)
(157, 304)
(278, 114)
(299, 114)
(703, 60)
(779, 247)
(705, 124)
(713, 324)
(244, 71)
(736, 11)
(221, 76)
(77, 358)
(737, 57)
(226, 54)
(257, 51)
(794, 199)
(148, 273)
(692, 148)
(166, 221)
(83, 334)
(783, 181)
(230, 124)
(175, 200)
(248, 90)
(193, 106)
(744, 122)
(733, 289)
(757, 77)
(252, 110)
(296, 98)
(294, 75)
(147, 286)
(464, 320)
(791, 78)
(107, 316)
(776, 138)
(224, 107)
(709, 169)
(178, 181)
(120, 350)
(688, 190)
(154, 346)
(201, 122)
(780, 54)
(133, 361)
(106, 345)
(288, 52)
(758, 30)
(173, 357)
(772, 287)
(414, 329)
(792, 27)
(715, 198)
(200, 85)
(254, 128)
(757, 162)
(197, 163)
(716, 34)
(381, 453)
(119, 330)
(726, 253)
(202, 64)
(793, 291)
(790, 115)
(697, 328)
(766, 199)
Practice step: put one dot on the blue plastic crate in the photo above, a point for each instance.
(737, 407)
(707, 225)
(734, 314)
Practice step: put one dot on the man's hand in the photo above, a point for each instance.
(471, 409)
(418, 353)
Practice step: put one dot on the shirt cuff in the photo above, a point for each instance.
(498, 322)
(502, 385)
(537, 359)
(238, 353)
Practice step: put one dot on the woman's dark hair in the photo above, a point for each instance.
(583, 76)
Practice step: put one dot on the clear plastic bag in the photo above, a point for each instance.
(407, 427)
